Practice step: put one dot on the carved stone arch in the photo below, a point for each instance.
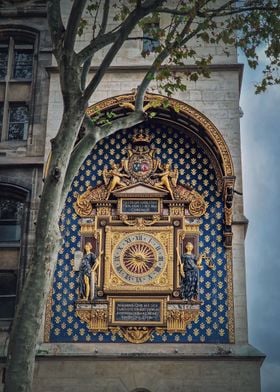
(19, 187)
(180, 114)
(26, 33)
(186, 117)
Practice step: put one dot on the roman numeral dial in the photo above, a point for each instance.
(139, 258)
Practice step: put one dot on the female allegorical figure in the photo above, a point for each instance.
(189, 268)
(88, 261)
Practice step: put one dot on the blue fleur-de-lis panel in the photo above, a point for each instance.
(185, 152)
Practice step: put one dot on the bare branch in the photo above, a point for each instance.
(87, 63)
(85, 69)
(97, 44)
(73, 23)
(106, 8)
(110, 37)
(93, 135)
(56, 26)
(172, 11)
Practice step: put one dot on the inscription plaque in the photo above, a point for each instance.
(138, 312)
(140, 206)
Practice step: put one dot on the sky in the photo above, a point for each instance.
(260, 143)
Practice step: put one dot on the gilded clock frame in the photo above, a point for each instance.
(162, 284)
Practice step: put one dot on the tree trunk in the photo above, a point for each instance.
(28, 318)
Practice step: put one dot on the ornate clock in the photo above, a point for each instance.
(138, 220)
(139, 258)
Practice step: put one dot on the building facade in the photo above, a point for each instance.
(141, 196)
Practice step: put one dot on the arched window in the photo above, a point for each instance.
(13, 211)
(17, 67)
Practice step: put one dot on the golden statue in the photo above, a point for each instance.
(112, 178)
(168, 177)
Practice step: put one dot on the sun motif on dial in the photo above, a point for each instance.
(139, 258)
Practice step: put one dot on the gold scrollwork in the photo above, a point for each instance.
(137, 334)
(162, 280)
(84, 315)
(139, 222)
(228, 216)
(197, 206)
(115, 281)
(83, 206)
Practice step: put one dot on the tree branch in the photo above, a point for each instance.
(217, 11)
(110, 37)
(178, 41)
(240, 11)
(87, 63)
(139, 99)
(73, 23)
(141, 90)
(93, 135)
(126, 29)
(57, 28)
(85, 69)
(104, 22)
(97, 44)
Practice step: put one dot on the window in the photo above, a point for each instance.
(11, 212)
(16, 60)
(3, 61)
(13, 209)
(16, 73)
(17, 124)
(150, 37)
(8, 289)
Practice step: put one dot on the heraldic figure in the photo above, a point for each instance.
(189, 270)
(85, 271)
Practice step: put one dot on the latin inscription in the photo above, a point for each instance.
(138, 311)
(140, 206)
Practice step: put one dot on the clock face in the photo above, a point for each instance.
(139, 258)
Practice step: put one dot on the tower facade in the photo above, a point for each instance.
(149, 290)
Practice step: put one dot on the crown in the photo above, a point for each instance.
(141, 137)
